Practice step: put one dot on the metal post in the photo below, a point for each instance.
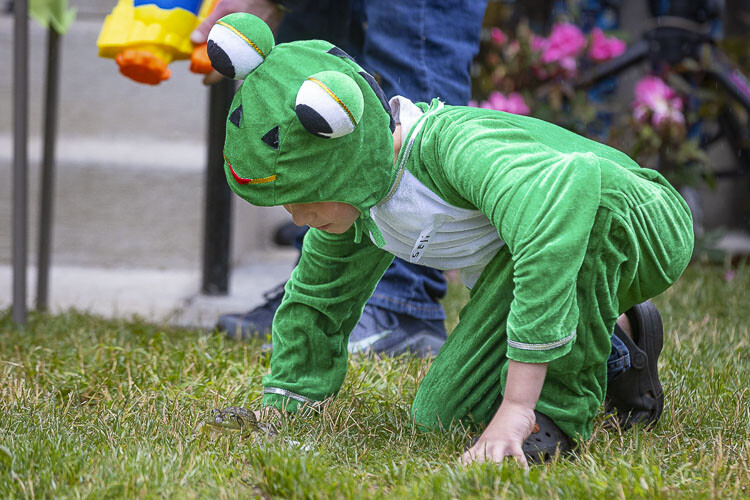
(48, 168)
(218, 208)
(20, 157)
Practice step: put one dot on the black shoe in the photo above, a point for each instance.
(545, 442)
(386, 332)
(286, 233)
(636, 396)
(256, 323)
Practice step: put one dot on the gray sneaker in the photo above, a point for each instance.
(255, 323)
(390, 333)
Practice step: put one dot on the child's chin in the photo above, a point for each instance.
(337, 229)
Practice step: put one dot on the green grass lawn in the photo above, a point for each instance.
(97, 408)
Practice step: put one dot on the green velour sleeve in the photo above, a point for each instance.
(543, 202)
(322, 303)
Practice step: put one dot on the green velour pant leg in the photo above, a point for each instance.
(576, 383)
(662, 237)
(467, 378)
(635, 251)
(464, 381)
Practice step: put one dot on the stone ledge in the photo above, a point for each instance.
(158, 295)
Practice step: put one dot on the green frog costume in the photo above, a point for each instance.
(556, 235)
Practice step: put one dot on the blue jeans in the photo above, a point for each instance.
(619, 359)
(419, 49)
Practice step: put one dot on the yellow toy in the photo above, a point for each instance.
(144, 36)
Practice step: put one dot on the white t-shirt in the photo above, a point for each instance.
(420, 227)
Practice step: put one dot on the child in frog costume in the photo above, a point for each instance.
(556, 236)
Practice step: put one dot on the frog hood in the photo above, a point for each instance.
(307, 124)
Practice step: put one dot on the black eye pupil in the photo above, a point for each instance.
(219, 59)
(272, 138)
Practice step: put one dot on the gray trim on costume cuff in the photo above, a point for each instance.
(541, 347)
(287, 394)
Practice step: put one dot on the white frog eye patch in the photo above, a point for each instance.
(329, 104)
(238, 44)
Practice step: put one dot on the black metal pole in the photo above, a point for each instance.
(20, 157)
(48, 168)
(218, 208)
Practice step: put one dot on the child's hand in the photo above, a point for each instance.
(267, 10)
(504, 437)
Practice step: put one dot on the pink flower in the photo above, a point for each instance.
(538, 43)
(568, 64)
(513, 103)
(657, 100)
(497, 100)
(603, 48)
(565, 41)
(497, 36)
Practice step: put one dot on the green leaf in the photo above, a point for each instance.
(53, 14)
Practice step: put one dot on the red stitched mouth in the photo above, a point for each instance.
(240, 180)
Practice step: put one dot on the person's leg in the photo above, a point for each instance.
(635, 395)
(419, 50)
(422, 49)
(662, 227)
(323, 19)
(464, 383)
(466, 380)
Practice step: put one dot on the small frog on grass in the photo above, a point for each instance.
(234, 419)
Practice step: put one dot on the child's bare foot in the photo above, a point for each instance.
(624, 323)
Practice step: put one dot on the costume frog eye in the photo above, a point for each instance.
(329, 104)
(238, 43)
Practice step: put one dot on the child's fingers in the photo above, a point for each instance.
(473, 455)
(482, 452)
(200, 33)
(212, 78)
(223, 7)
(264, 9)
(479, 453)
(517, 453)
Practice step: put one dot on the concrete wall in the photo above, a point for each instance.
(130, 159)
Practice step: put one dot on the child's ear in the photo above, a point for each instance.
(238, 43)
(329, 104)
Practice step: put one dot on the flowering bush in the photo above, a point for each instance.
(660, 131)
(533, 75)
(529, 74)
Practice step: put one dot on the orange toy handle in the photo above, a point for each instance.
(143, 66)
(199, 61)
